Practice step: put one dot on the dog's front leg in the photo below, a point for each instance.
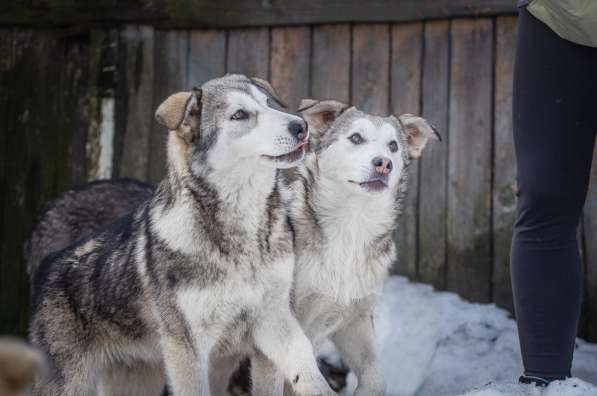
(281, 339)
(221, 369)
(186, 365)
(266, 380)
(357, 346)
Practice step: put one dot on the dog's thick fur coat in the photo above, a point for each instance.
(80, 211)
(201, 270)
(344, 213)
(343, 235)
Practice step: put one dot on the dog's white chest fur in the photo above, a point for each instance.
(343, 266)
(210, 311)
(340, 275)
(228, 310)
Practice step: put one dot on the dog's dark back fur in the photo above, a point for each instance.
(80, 211)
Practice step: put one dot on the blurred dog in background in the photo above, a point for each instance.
(19, 364)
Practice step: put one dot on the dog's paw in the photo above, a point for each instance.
(362, 391)
(316, 385)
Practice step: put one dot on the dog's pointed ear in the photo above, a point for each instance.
(267, 87)
(418, 132)
(320, 114)
(175, 111)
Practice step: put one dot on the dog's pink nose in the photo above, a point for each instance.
(382, 165)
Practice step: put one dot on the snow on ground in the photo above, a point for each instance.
(570, 387)
(437, 344)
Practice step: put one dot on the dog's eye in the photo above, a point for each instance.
(356, 138)
(240, 115)
(393, 146)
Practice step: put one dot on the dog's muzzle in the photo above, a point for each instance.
(299, 131)
(295, 154)
(376, 182)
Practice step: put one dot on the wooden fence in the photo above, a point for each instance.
(77, 103)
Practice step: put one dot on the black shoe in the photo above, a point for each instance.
(537, 381)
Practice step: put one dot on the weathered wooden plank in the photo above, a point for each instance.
(96, 39)
(469, 167)
(370, 67)
(504, 162)
(137, 51)
(22, 165)
(330, 63)
(7, 113)
(407, 47)
(103, 65)
(170, 71)
(290, 59)
(207, 55)
(590, 254)
(112, 106)
(75, 90)
(6, 67)
(235, 13)
(433, 182)
(34, 159)
(248, 52)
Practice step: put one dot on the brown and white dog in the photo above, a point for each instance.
(19, 364)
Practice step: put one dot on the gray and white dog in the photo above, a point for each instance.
(351, 189)
(203, 269)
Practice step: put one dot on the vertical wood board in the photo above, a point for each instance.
(405, 97)
(469, 175)
(504, 163)
(434, 161)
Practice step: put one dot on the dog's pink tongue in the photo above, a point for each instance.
(301, 144)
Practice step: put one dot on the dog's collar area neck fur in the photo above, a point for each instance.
(340, 208)
(244, 193)
(243, 175)
(205, 203)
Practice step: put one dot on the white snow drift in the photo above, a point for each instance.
(436, 344)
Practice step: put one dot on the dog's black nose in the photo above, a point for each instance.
(298, 129)
(382, 165)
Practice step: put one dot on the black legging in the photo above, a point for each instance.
(555, 121)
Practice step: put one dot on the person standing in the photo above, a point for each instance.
(554, 123)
